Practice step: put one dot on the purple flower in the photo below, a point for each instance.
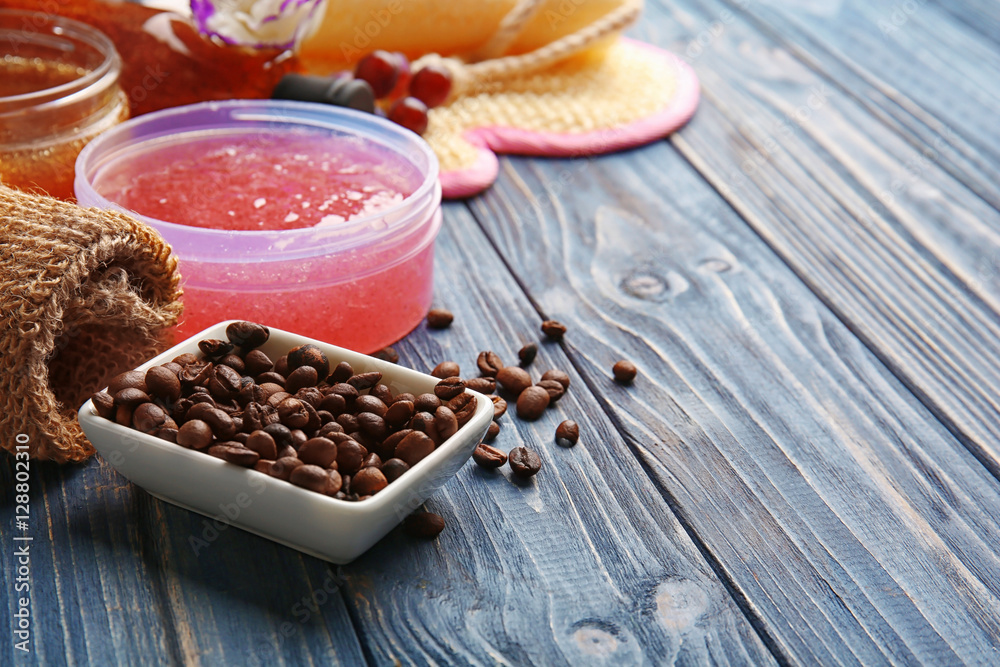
(279, 24)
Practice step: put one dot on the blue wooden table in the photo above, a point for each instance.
(805, 470)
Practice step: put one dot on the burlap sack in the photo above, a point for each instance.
(84, 295)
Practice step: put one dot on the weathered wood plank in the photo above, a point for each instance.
(928, 77)
(910, 268)
(856, 528)
(583, 565)
(116, 581)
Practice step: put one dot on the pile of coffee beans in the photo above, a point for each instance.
(298, 418)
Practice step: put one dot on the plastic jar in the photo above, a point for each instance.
(361, 283)
(58, 89)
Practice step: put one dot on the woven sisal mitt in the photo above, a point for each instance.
(84, 295)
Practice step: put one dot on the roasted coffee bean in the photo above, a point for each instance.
(349, 422)
(382, 393)
(464, 406)
(281, 366)
(235, 453)
(439, 318)
(350, 456)
(329, 429)
(271, 379)
(426, 403)
(445, 422)
(241, 438)
(172, 367)
(484, 385)
(202, 397)
(624, 371)
(387, 353)
(499, 407)
(362, 381)
(325, 416)
(335, 404)
(310, 477)
(319, 451)
(424, 525)
(399, 413)
(104, 404)
(257, 362)
(555, 389)
(185, 359)
(303, 376)
(532, 402)
(225, 383)
(342, 373)
(387, 448)
(251, 392)
(559, 376)
(449, 388)
(373, 460)
(489, 363)
(179, 410)
(492, 432)
(235, 362)
(336, 482)
(128, 380)
(424, 422)
(446, 369)
(553, 329)
(163, 383)
(372, 425)
(123, 415)
(275, 399)
(567, 433)
(166, 433)
(297, 437)
(524, 462)
(488, 457)
(310, 395)
(528, 353)
(287, 451)
(368, 481)
(147, 417)
(292, 413)
(309, 355)
(283, 467)
(247, 335)
(282, 434)
(263, 443)
(214, 348)
(394, 468)
(131, 397)
(196, 374)
(414, 447)
(220, 422)
(369, 403)
(514, 379)
(403, 396)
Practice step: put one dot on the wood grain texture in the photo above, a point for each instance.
(583, 565)
(115, 580)
(910, 268)
(855, 527)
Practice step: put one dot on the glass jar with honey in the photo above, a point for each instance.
(59, 88)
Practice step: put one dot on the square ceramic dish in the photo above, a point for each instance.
(334, 530)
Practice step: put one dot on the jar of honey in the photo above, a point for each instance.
(59, 88)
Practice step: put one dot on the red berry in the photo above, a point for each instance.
(381, 70)
(411, 113)
(403, 80)
(431, 85)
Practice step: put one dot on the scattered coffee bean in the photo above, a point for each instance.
(514, 379)
(528, 353)
(492, 432)
(387, 354)
(489, 363)
(553, 329)
(524, 462)
(439, 318)
(446, 369)
(567, 433)
(499, 407)
(555, 389)
(559, 376)
(624, 371)
(423, 525)
(484, 385)
(488, 457)
(532, 402)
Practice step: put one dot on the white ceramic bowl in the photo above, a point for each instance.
(335, 530)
